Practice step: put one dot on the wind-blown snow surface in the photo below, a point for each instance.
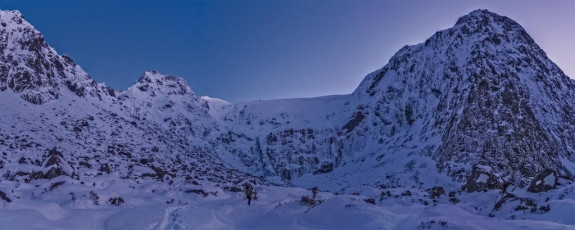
(155, 205)
(478, 106)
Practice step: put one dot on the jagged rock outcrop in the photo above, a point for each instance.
(483, 178)
(543, 182)
(53, 165)
(154, 83)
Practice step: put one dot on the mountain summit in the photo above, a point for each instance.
(156, 83)
(32, 69)
(480, 93)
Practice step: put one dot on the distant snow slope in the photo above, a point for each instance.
(476, 107)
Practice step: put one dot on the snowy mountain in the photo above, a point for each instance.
(476, 107)
(156, 128)
(480, 93)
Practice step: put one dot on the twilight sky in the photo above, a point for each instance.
(242, 51)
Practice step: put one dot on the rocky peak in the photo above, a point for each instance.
(155, 83)
(479, 35)
(489, 29)
(481, 20)
(19, 37)
(509, 118)
(33, 70)
(11, 17)
(487, 90)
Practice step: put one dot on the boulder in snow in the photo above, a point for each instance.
(4, 197)
(543, 182)
(436, 192)
(482, 177)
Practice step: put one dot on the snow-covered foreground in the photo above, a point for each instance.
(155, 205)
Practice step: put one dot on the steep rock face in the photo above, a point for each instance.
(486, 90)
(510, 86)
(284, 139)
(294, 153)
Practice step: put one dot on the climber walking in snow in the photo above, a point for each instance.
(250, 192)
(314, 191)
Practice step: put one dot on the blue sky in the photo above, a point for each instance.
(251, 50)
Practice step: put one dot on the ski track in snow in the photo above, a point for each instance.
(169, 218)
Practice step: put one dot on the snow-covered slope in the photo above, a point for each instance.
(158, 128)
(475, 107)
(154, 205)
(480, 93)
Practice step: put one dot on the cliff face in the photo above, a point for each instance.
(484, 93)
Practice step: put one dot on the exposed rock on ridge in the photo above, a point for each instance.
(32, 69)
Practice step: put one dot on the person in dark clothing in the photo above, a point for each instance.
(249, 190)
(314, 191)
(250, 195)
